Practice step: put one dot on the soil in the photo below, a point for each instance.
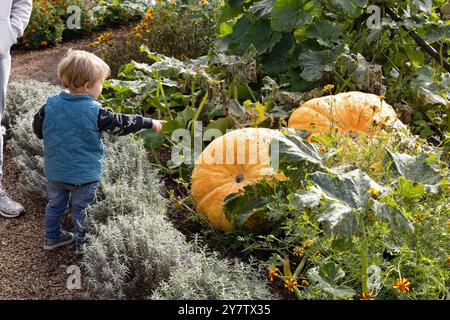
(27, 271)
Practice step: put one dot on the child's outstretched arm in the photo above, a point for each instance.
(122, 124)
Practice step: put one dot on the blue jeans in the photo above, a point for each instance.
(59, 195)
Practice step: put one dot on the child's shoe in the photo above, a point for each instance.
(66, 238)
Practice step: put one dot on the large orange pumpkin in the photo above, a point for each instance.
(345, 112)
(230, 162)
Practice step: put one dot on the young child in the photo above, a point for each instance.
(71, 125)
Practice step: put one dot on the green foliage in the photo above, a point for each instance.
(311, 43)
(184, 30)
(116, 12)
(364, 226)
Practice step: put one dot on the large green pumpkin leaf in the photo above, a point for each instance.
(351, 188)
(326, 32)
(393, 216)
(309, 199)
(288, 15)
(262, 8)
(231, 9)
(326, 276)
(348, 200)
(352, 8)
(421, 168)
(251, 201)
(295, 156)
(425, 6)
(340, 220)
(438, 33)
(151, 139)
(315, 63)
(250, 31)
(426, 89)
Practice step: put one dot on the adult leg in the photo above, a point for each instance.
(5, 70)
(8, 207)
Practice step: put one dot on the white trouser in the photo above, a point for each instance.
(5, 70)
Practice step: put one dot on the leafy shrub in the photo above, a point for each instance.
(24, 99)
(45, 28)
(130, 255)
(113, 12)
(48, 22)
(181, 31)
(207, 277)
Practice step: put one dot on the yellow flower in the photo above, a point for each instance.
(375, 193)
(448, 259)
(402, 285)
(375, 169)
(149, 13)
(280, 176)
(323, 149)
(173, 3)
(274, 272)
(44, 43)
(203, 3)
(308, 243)
(316, 256)
(366, 296)
(290, 284)
(382, 98)
(299, 251)
(329, 87)
(304, 283)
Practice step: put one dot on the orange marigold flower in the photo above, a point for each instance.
(299, 251)
(274, 272)
(290, 284)
(366, 296)
(402, 285)
(44, 43)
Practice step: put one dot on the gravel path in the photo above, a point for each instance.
(27, 271)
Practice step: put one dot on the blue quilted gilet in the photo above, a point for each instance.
(73, 147)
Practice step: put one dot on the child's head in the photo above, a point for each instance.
(83, 72)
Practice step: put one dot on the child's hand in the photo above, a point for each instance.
(157, 125)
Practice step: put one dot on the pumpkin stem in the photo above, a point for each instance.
(239, 178)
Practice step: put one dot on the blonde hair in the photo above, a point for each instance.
(79, 67)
